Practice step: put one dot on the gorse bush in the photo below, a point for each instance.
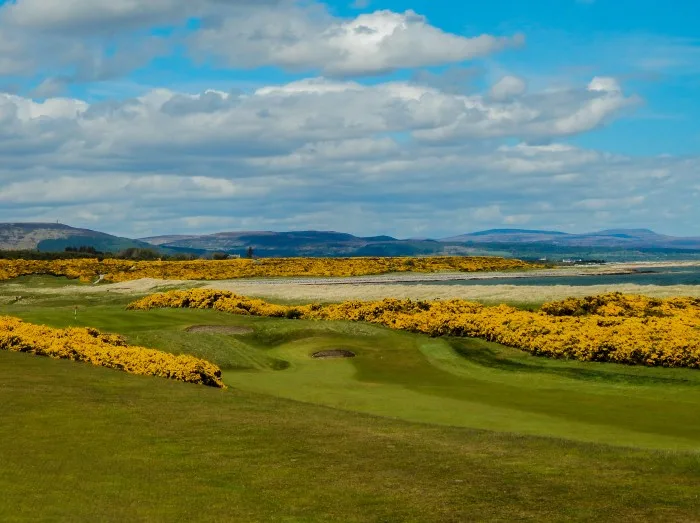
(116, 270)
(105, 350)
(647, 332)
(617, 304)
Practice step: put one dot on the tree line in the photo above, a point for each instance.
(131, 253)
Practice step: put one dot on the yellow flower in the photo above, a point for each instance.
(611, 327)
(106, 350)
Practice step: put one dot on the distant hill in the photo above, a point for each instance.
(611, 238)
(611, 244)
(171, 238)
(506, 235)
(526, 243)
(299, 243)
(51, 237)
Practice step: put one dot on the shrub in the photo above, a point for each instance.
(106, 350)
(116, 270)
(614, 327)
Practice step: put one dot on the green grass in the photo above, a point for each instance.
(412, 429)
(82, 443)
(456, 382)
(39, 282)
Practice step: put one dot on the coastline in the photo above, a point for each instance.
(413, 277)
(417, 286)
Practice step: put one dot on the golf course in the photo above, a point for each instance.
(333, 421)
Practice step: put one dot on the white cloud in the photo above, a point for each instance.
(517, 219)
(604, 84)
(507, 87)
(98, 16)
(489, 214)
(302, 121)
(597, 204)
(280, 125)
(394, 157)
(88, 40)
(26, 109)
(120, 186)
(373, 43)
(320, 153)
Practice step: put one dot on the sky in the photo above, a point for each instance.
(411, 118)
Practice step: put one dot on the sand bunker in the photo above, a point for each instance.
(219, 329)
(333, 353)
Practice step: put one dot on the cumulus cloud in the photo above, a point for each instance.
(120, 186)
(99, 16)
(92, 40)
(430, 156)
(536, 115)
(507, 87)
(320, 153)
(373, 43)
(61, 59)
(276, 124)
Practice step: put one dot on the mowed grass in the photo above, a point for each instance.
(82, 443)
(566, 441)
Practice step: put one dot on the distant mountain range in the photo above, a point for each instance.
(611, 238)
(607, 244)
(299, 243)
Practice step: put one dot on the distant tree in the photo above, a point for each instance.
(183, 257)
(219, 256)
(83, 249)
(249, 252)
(134, 253)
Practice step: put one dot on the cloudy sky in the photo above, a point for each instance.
(401, 117)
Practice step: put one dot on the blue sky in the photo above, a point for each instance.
(409, 118)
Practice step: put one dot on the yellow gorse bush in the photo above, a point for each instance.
(105, 350)
(122, 270)
(621, 329)
(617, 304)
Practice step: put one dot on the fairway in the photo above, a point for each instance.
(420, 429)
(461, 382)
(91, 444)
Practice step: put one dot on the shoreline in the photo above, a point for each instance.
(611, 269)
(416, 286)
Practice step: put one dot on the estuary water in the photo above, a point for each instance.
(688, 275)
